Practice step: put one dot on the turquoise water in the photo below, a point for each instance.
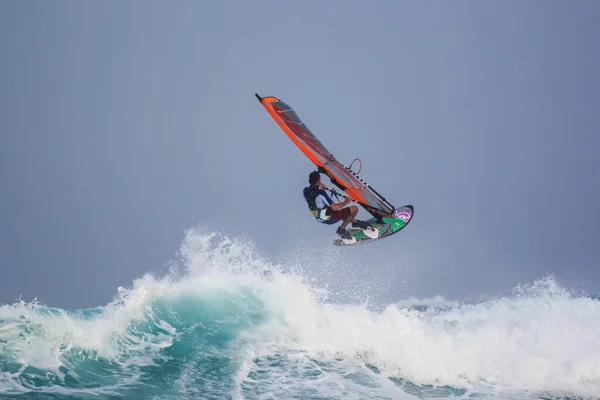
(231, 326)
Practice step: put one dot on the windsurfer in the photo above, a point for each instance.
(328, 212)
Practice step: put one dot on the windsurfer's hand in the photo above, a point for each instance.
(323, 186)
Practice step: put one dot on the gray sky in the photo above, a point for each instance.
(125, 123)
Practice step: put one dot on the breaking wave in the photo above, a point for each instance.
(225, 323)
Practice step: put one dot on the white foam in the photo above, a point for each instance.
(539, 339)
(546, 342)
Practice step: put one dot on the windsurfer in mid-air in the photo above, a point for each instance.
(328, 212)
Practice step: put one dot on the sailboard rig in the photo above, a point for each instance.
(343, 177)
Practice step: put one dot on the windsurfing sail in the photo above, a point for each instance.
(343, 177)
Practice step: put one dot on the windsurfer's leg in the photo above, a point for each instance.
(351, 216)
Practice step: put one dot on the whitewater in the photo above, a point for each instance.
(224, 323)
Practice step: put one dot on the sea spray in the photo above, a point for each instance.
(226, 323)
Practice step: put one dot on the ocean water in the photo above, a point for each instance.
(225, 324)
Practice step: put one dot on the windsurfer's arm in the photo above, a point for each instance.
(337, 206)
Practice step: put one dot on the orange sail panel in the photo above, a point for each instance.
(291, 124)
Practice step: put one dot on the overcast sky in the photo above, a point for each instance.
(125, 123)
